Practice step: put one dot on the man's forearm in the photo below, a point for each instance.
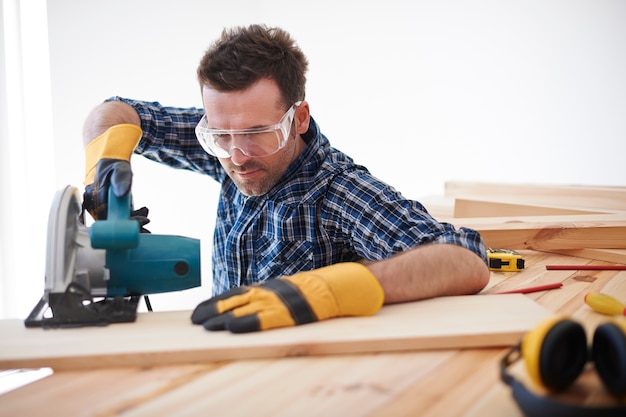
(430, 271)
(106, 115)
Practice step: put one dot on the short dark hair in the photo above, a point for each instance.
(244, 55)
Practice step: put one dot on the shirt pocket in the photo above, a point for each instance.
(276, 257)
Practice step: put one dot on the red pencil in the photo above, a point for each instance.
(526, 290)
(586, 267)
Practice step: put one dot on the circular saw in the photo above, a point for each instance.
(96, 275)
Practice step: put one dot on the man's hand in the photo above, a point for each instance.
(345, 289)
(107, 163)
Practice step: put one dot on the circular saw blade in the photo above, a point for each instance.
(63, 224)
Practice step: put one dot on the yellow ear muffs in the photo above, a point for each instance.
(555, 352)
(609, 355)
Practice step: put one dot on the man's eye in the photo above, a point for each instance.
(249, 136)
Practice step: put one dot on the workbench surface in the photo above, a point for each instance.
(443, 382)
(450, 382)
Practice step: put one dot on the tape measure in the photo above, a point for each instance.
(505, 260)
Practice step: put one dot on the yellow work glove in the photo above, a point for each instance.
(345, 289)
(107, 163)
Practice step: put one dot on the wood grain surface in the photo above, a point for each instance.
(455, 382)
(604, 198)
(169, 337)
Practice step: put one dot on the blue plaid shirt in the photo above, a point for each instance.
(326, 209)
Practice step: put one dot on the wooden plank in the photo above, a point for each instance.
(320, 386)
(546, 237)
(170, 338)
(349, 385)
(547, 233)
(617, 256)
(481, 208)
(576, 196)
(472, 373)
(108, 392)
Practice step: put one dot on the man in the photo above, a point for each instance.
(339, 241)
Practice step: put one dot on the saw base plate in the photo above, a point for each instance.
(77, 308)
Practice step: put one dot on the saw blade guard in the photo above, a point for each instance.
(66, 237)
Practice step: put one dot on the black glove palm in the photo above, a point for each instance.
(109, 172)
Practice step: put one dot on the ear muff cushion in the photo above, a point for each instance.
(609, 355)
(563, 354)
(531, 346)
(555, 353)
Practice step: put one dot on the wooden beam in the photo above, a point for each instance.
(555, 237)
(481, 208)
(617, 256)
(573, 196)
(550, 232)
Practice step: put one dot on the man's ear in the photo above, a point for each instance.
(302, 118)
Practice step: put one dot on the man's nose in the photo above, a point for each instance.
(237, 156)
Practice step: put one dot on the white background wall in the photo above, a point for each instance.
(419, 91)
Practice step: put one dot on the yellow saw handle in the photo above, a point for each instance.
(605, 304)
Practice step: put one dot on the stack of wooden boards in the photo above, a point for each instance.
(582, 221)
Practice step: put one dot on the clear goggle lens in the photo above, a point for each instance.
(254, 142)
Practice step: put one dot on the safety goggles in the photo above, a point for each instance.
(254, 142)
